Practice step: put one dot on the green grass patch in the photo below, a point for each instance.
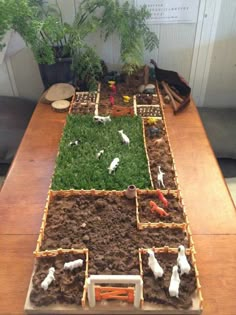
(77, 166)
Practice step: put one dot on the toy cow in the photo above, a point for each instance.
(49, 278)
(174, 282)
(125, 139)
(74, 143)
(182, 261)
(99, 154)
(114, 164)
(101, 119)
(154, 265)
(73, 264)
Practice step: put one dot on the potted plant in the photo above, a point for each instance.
(129, 22)
(58, 44)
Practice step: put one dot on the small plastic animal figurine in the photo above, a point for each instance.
(153, 132)
(114, 164)
(174, 282)
(112, 100)
(126, 98)
(159, 210)
(102, 119)
(182, 261)
(151, 120)
(49, 278)
(154, 265)
(162, 198)
(125, 139)
(74, 143)
(99, 154)
(160, 141)
(111, 83)
(73, 264)
(160, 177)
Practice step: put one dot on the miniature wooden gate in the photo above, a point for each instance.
(114, 293)
(129, 294)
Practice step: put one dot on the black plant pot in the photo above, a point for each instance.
(59, 72)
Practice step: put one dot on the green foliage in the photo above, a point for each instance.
(87, 67)
(43, 29)
(129, 23)
(77, 166)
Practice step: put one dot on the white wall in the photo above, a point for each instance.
(182, 47)
(221, 89)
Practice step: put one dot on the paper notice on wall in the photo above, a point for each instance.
(171, 11)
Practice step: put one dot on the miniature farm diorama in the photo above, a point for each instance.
(115, 235)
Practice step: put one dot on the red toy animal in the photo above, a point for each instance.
(159, 210)
(162, 198)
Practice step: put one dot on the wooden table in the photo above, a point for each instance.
(209, 206)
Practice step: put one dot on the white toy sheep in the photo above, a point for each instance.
(102, 119)
(124, 137)
(154, 265)
(114, 164)
(174, 282)
(49, 278)
(73, 264)
(182, 261)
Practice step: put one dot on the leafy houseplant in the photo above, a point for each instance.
(129, 23)
(52, 40)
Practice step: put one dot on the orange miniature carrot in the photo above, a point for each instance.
(159, 210)
(162, 198)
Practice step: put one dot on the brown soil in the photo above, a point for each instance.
(110, 234)
(157, 290)
(105, 107)
(83, 109)
(68, 285)
(84, 103)
(174, 209)
(160, 155)
(147, 99)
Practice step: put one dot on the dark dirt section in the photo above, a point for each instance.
(147, 99)
(68, 285)
(107, 227)
(174, 209)
(160, 155)
(157, 290)
(121, 90)
(83, 109)
(105, 106)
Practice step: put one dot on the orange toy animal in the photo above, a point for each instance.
(159, 210)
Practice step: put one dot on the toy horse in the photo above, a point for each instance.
(171, 81)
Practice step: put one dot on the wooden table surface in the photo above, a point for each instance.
(210, 209)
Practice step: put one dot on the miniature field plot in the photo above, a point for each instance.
(156, 287)
(65, 284)
(161, 161)
(88, 148)
(157, 207)
(147, 105)
(97, 219)
(84, 103)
